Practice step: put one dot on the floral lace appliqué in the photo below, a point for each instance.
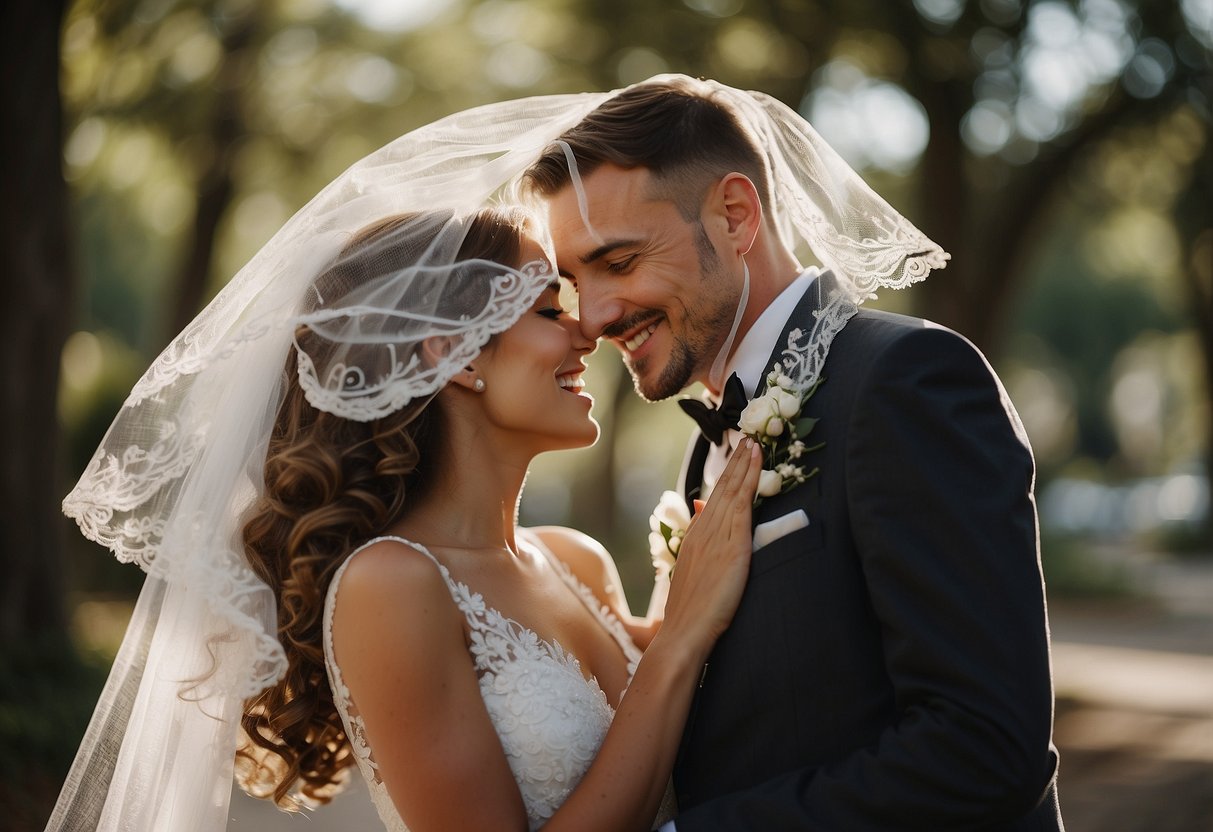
(550, 718)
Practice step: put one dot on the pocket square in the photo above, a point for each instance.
(772, 530)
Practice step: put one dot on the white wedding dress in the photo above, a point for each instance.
(551, 720)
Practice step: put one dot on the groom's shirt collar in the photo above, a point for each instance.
(749, 362)
(750, 357)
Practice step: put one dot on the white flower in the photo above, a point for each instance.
(770, 483)
(778, 378)
(668, 525)
(756, 416)
(672, 510)
(790, 472)
(774, 414)
(663, 558)
(786, 404)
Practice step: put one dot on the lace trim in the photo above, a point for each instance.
(501, 647)
(341, 693)
(118, 484)
(805, 353)
(348, 392)
(115, 485)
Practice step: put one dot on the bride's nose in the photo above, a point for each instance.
(580, 343)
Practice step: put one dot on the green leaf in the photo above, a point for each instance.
(804, 426)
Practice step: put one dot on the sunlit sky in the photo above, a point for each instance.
(396, 15)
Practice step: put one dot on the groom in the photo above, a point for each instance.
(888, 667)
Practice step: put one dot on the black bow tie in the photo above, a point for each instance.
(714, 421)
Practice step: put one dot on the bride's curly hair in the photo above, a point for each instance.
(330, 484)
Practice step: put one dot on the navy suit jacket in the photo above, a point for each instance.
(888, 667)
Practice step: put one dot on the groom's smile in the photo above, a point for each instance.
(634, 343)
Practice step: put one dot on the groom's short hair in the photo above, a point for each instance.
(678, 128)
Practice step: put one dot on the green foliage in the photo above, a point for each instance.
(1086, 320)
(1186, 540)
(1072, 571)
(47, 694)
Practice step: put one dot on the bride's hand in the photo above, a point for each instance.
(714, 558)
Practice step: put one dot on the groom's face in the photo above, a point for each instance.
(648, 279)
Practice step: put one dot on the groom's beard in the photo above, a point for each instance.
(704, 326)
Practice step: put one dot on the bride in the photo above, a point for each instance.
(465, 655)
(320, 477)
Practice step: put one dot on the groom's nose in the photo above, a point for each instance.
(597, 308)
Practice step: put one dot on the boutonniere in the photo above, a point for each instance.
(774, 421)
(667, 527)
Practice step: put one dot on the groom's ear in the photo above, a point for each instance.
(737, 201)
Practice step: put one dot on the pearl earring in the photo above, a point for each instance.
(478, 385)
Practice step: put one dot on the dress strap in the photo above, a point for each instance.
(410, 543)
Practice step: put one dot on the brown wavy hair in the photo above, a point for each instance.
(330, 484)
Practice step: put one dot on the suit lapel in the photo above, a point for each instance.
(812, 301)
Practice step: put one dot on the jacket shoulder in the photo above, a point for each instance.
(874, 332)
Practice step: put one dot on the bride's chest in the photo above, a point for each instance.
(550, 631)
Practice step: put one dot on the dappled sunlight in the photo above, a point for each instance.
(870, 123)
(397, 15)
(98, 625)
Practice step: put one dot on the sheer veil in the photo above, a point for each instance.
(184, 458)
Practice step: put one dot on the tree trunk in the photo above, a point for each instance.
(944, 203)
(33, 322)
(216, 184)
(1196, 230)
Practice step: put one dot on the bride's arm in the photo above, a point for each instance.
(624, 786)
(398, 639)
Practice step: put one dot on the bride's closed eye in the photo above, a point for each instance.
(553, 312)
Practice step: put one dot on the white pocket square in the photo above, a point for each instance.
(772, 530)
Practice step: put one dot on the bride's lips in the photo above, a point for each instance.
(569, 378)
(573, 382)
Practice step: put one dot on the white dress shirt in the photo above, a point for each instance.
(749, 362)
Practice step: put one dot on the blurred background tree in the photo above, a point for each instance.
(1060, 149)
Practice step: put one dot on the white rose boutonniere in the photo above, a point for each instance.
(667, 527)
(773, 420)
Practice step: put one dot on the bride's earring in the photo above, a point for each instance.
(478, 385)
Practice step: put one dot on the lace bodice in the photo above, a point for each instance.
(551, 720)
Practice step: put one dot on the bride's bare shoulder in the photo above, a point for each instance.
(385, 574)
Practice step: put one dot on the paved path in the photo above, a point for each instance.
(1134, 720)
